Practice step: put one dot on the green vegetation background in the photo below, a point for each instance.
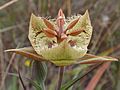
(14, 21)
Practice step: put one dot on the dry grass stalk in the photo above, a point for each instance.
(8, 4)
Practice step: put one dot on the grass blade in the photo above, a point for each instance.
(72, 82)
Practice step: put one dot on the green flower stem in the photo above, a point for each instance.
(61, 72)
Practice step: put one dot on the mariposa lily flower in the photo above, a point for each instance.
(62, 42)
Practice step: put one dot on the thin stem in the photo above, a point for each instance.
(61, 72)
(21, 80)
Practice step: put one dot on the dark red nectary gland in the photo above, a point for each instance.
(72, 43)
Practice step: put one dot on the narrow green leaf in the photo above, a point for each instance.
(13, 85)
(73, 81)
(36, 85)
(39, 72)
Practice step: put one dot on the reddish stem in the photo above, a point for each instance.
(61, 72)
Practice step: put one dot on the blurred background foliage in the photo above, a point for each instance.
(14, 23)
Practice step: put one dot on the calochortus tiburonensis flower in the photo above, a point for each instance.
(61, 41)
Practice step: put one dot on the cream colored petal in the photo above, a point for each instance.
(61, 54)
(38, 39)
(83, 38)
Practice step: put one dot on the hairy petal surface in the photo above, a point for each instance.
(37, 35)
(83, 38)
(60, 53)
